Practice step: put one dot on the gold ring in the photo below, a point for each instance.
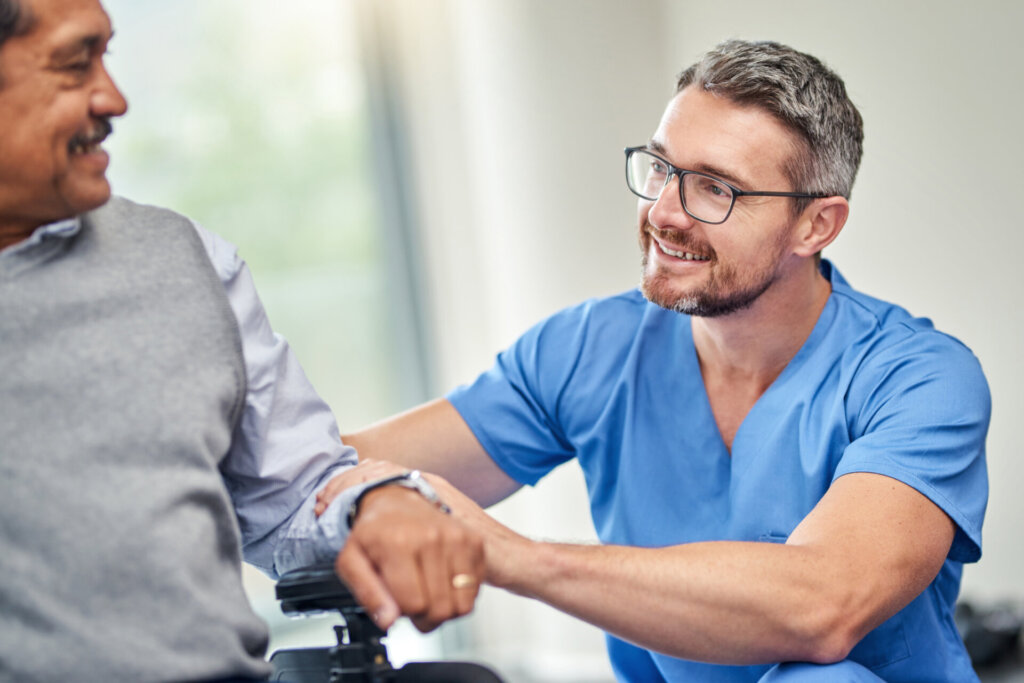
(463, 581)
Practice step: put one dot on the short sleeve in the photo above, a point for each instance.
(513, 408)
(920, 414)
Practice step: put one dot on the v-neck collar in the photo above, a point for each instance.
(767, 397)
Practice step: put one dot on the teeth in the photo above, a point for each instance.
(685, 255)
(82, 148)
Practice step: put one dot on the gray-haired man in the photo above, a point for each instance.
(781, 468)
(152, 426)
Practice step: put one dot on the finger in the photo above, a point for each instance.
(467, 572)
(356, 570)
(436, 583)
(401, 575)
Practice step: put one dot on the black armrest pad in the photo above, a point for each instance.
(314, 589)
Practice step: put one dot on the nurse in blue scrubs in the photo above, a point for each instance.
(786, 475)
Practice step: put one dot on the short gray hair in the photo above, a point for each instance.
(803, 94)
(12, 19)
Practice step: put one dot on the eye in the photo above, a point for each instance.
(658, 167)
(709, 187)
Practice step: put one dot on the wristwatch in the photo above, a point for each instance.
(412, 479)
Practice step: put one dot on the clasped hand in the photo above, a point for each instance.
(404, 556)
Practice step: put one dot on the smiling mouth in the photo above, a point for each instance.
(676, 253)
(88, 143)
(684, 255)
(85, 148)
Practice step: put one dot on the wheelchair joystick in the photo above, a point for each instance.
(359, 656)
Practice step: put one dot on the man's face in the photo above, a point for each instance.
(56, 99)
(711, 270)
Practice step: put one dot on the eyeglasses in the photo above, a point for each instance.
(704, 197)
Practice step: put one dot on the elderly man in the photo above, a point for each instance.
(781, 469)
(152, 426)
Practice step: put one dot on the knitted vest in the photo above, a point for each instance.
(121, 380)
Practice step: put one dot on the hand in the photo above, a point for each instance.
(406, 557)
(366, 470)
(506, 553)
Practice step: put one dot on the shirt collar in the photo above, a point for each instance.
(61, 229)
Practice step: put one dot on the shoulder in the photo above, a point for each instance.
(892, 355)
(620, 311)
(604, 323)
(120, 209)
(590, 345)
(125, 214)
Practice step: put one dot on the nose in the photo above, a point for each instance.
(107, 99)
(667, 210)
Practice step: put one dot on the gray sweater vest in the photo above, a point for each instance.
(121, 381)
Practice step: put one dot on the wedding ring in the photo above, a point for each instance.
(463, 581)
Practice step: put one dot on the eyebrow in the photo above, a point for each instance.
(86, 43)
(656, 146)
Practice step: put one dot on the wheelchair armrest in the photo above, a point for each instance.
(359, 656)
(312, 590)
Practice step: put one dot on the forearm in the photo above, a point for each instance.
(724, 602)
(434, 438)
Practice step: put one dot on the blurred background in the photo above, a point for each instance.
(416, 182)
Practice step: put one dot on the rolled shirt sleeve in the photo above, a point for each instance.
(286, 446)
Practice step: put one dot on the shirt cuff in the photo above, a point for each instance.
(312, 540)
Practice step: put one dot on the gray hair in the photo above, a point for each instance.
(804, 95)
(13, 19)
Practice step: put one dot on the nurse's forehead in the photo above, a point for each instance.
(705, 132)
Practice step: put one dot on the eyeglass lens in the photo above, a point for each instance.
(703, 197)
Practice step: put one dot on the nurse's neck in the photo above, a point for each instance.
(752, 346)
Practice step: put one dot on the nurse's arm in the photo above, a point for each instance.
(434, 438)
(869, 547)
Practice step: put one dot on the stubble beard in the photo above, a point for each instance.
(725, 291)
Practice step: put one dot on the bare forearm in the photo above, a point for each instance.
(736, 603)
(434, 438)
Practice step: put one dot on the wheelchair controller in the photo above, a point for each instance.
(359, 656)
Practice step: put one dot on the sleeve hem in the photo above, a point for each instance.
(517, 473)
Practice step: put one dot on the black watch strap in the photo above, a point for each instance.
(412, 479)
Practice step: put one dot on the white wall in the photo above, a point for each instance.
(496, 90)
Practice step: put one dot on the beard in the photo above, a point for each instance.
(725, 291)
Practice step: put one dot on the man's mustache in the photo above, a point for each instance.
(98, 134)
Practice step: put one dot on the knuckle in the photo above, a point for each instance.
(431, 536)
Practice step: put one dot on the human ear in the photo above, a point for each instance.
(820, 224)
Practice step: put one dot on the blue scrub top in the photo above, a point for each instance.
(615, 383)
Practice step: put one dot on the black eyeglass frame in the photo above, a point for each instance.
(680, 172)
